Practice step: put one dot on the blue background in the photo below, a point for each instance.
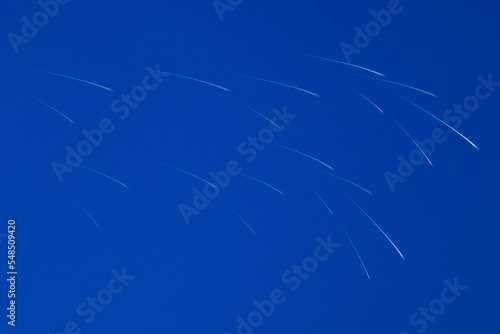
(199, 278)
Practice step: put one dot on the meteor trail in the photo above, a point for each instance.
(347, 234)
(322, 201)
(198, 80)
(68, 77)
(367, 99)
(461, 135)
(188, 173)
(306, 155)
(88, 214)
(282, 84)
(425, 155)
(356, 250)
(349, 64)
(397, 83)
(51, 107)
(237, 214)
(392, 243)
(109, 177)
(354, 184)
(262, 182)
(258, 113)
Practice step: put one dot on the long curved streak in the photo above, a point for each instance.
(349, 64)
(51, 107)
(109, 177)
(306, 155)
(356, 250)
(367, 99)
(392, 243)
(347, 234)
(262, 182)
(352, 183)
(425, 155)
(188, 173)
(322, 201)
(198, 80)
(282, 84)
(68, 77)
(461, 135)
(258, 113)
(243, 220)
(398, 84)
(376, 106)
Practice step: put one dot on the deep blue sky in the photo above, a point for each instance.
(199, 278)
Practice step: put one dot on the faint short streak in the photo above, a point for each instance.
(88, 214)
(306, 155)
(322, 201)
(281, 84)
(264, 183)
(237, 214)
(109, 177)
(414, 142)
(341, 62)
(51, 107)
(198, 80)
(68, 77)
(352, 183)
(397, 83)
(258, 113)
(188, 173)
(355, 249)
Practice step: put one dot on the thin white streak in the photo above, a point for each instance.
(109, 177)
(349, 64)
(264, 183)
(81, 80)
(380, 229)
(444, 123)
(198, 80)
(51, 107)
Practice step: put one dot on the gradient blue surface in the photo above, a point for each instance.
(75, 237)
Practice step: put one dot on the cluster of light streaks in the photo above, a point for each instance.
(239, 216)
